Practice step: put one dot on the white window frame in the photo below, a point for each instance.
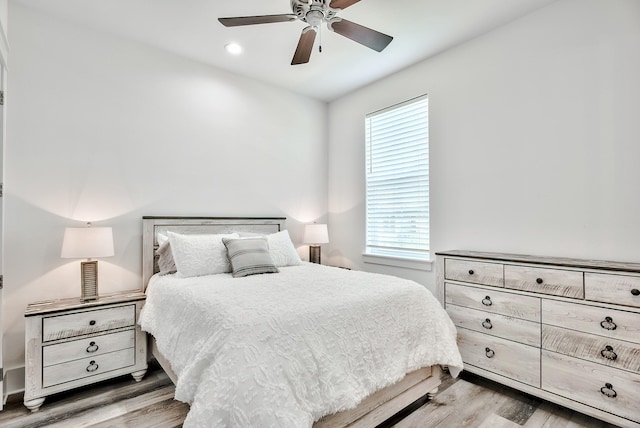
(409, 253)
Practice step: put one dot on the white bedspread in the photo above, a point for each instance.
(283, 350)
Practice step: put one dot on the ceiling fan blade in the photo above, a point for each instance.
(342, 4)
(305, 46)
(365, 36)
(252, 20)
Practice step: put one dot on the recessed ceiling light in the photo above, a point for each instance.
(233, 48)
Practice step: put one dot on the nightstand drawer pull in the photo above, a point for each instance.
(539, 280)
(487, 324)
(92, 367)
(92, 322)
(608, 353)
(471, 272)
(92, 347)
(608, 324)
(608, 391)
(635, 292)
(489, 352)
(487, 301)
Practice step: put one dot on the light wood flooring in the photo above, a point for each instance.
(468, 401)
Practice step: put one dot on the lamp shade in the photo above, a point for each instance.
(87, 242)
(316, 234)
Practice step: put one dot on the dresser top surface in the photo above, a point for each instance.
(553, 261)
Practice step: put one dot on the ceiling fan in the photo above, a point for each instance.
(314, 13)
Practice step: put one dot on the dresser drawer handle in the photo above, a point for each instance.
(539, 280)
(635, 292)
(92, 348)
(608, 353)
(608, 324)
(489, 352)
(608, 391)
(471, 272)
(487, 301)
(92, 322)
(487, 324)
(92, 367)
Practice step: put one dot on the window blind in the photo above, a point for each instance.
(397, 180)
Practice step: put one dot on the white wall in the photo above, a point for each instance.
(534, 138)
(4, 22)
(101, 129)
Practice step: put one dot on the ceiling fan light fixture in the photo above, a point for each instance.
(233, 48)
(314, 18)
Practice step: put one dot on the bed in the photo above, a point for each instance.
(328, 368)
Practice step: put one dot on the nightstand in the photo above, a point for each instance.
(70, 343)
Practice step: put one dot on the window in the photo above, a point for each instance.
(397, 181)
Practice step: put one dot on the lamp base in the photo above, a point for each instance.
(89, 280)
(314, 254)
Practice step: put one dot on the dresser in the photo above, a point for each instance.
(565, 330)
(70, 343)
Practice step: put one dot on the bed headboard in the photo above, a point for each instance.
(197, 225)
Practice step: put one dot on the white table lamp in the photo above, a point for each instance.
(88, 243)
(314, 235)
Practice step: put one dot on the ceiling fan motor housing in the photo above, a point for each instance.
(313, 12)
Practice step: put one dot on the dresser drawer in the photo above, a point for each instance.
(557, 282)
(527, 332)
(602, 387)
(504, 357)
(77, 324)
(494, 301)
(87, 347)
(611, 352)
(86, 367)
(604, 322)
(617, 289)
(474, 272)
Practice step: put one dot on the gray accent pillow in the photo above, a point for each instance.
(249, 256)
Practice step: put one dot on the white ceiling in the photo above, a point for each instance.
(421, 28)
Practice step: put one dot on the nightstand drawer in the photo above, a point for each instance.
(88, 347)
(605, 322)
(91, 366)
(77, 324)
(557, 282)
(619, 289)
(527, 332)
(504, 357)
(602, 387)
(602, 350)
(475, 272)
(503, 303)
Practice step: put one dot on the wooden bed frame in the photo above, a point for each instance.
(374, 409)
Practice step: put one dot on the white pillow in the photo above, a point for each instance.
(161, 238)
(282, 251)
(197, 255)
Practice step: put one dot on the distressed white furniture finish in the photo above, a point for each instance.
(564, 330)
(374, 409)
(70, 343)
